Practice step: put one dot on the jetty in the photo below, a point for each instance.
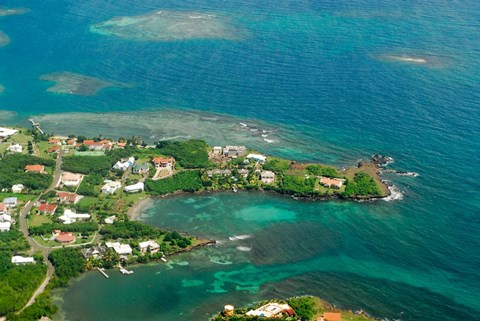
(101, 270)
(124, 270)
(36, 126)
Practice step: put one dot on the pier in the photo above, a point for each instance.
(103, 272)
(36, 126)
(124, 270)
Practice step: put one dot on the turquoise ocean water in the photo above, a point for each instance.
(338, 81)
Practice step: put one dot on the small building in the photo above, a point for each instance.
(94, 251)
(121, 145)
(65, 238)
(5, 218)
(331, 182)
(17, 188)
(110, 219)
(267, 177)
(15, 148)
(54, 141)
(272, 310)
(123, 165)
(149, 246)
(234, 151)
(5, 226)
(257, 157)
(20, 260)
(7, 132)
(53, 149)
(219, 172)
(141, 169)
(135, 188)
(217, 150)
(34, 168)
(71, 179)
(69, 217)
(110, 187)
(68, 197)
(10, 202)
(103, 145)
(46, 208)
(162, 162)
(123, 249)
(330, 316)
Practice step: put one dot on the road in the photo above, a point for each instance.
(35, 247)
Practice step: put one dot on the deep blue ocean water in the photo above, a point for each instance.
(325, 70)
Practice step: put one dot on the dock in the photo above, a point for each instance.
(163, 259)
(124, 270)
(36, 126)
(101, 270)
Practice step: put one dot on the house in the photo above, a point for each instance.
(15, 148)
(234, 151)
(18, 260)
(5, 218)
(110, 219)
(71, 179)
(110, 187)
(6, 132)
(124, 165)
(68, 197)
(330, 316)
(65, 237)
(219, 172)
(94, 251)
(272, 310)
(243, 172)
(148, 246)
(5, 226)
(71, 142)
(10, 202)
(34, 168)
(96, 146)
(121, 145)
(331, 182)
(54, 141)
(121, 249)
(267, 177)
(135, 188)
(161, 162)
(217, 150)
(69, 217)
(46, 208)
(257, 157)
(17, 188)
(141, 168)
(53, 149)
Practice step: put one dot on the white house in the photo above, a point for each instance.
(138, 187)
(147, 246)
(123, 249)
(69, 216)
(5, 218)
(5, 226)
(17, 188)
(15, 148)
(217, 150)
(70, 179)
(110, 219)
(124, 165)
(10, 202)
(110, 187)
(22, 260)
(267, 177)
(234, 151)
(6, 132)
(257, 157)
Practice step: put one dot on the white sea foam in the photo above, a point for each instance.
(244, 248)
(268, 140)
(395, 194)
(240, 237)
(219, 260)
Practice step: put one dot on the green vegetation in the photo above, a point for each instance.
(17, 283)
(84, 228)
(188, 181)
(43, 306)
(188, 154)
(13, 241)
(304, 307)
(130, 229)
(276, 165)
(319, 170)
(362, 185)
(297, 185)
(87, 164)
(89, 184)
(13, 172)
(68, 263)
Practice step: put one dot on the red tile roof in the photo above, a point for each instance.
(47, 208)
(34, 168)
(53, 149)
(163, 160)
(67, 196)
(2, 207)
(65, 237)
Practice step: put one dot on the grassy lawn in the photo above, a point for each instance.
(43, 147)
(21, 197)
(3, 147)
(86, 201)
(37, 220)
(20, 138)
(327, 191)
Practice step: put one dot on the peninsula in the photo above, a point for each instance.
(68, 204)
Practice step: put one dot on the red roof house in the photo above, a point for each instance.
(47, 208)
(68, 197)
(34, 168)
(65, 237)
